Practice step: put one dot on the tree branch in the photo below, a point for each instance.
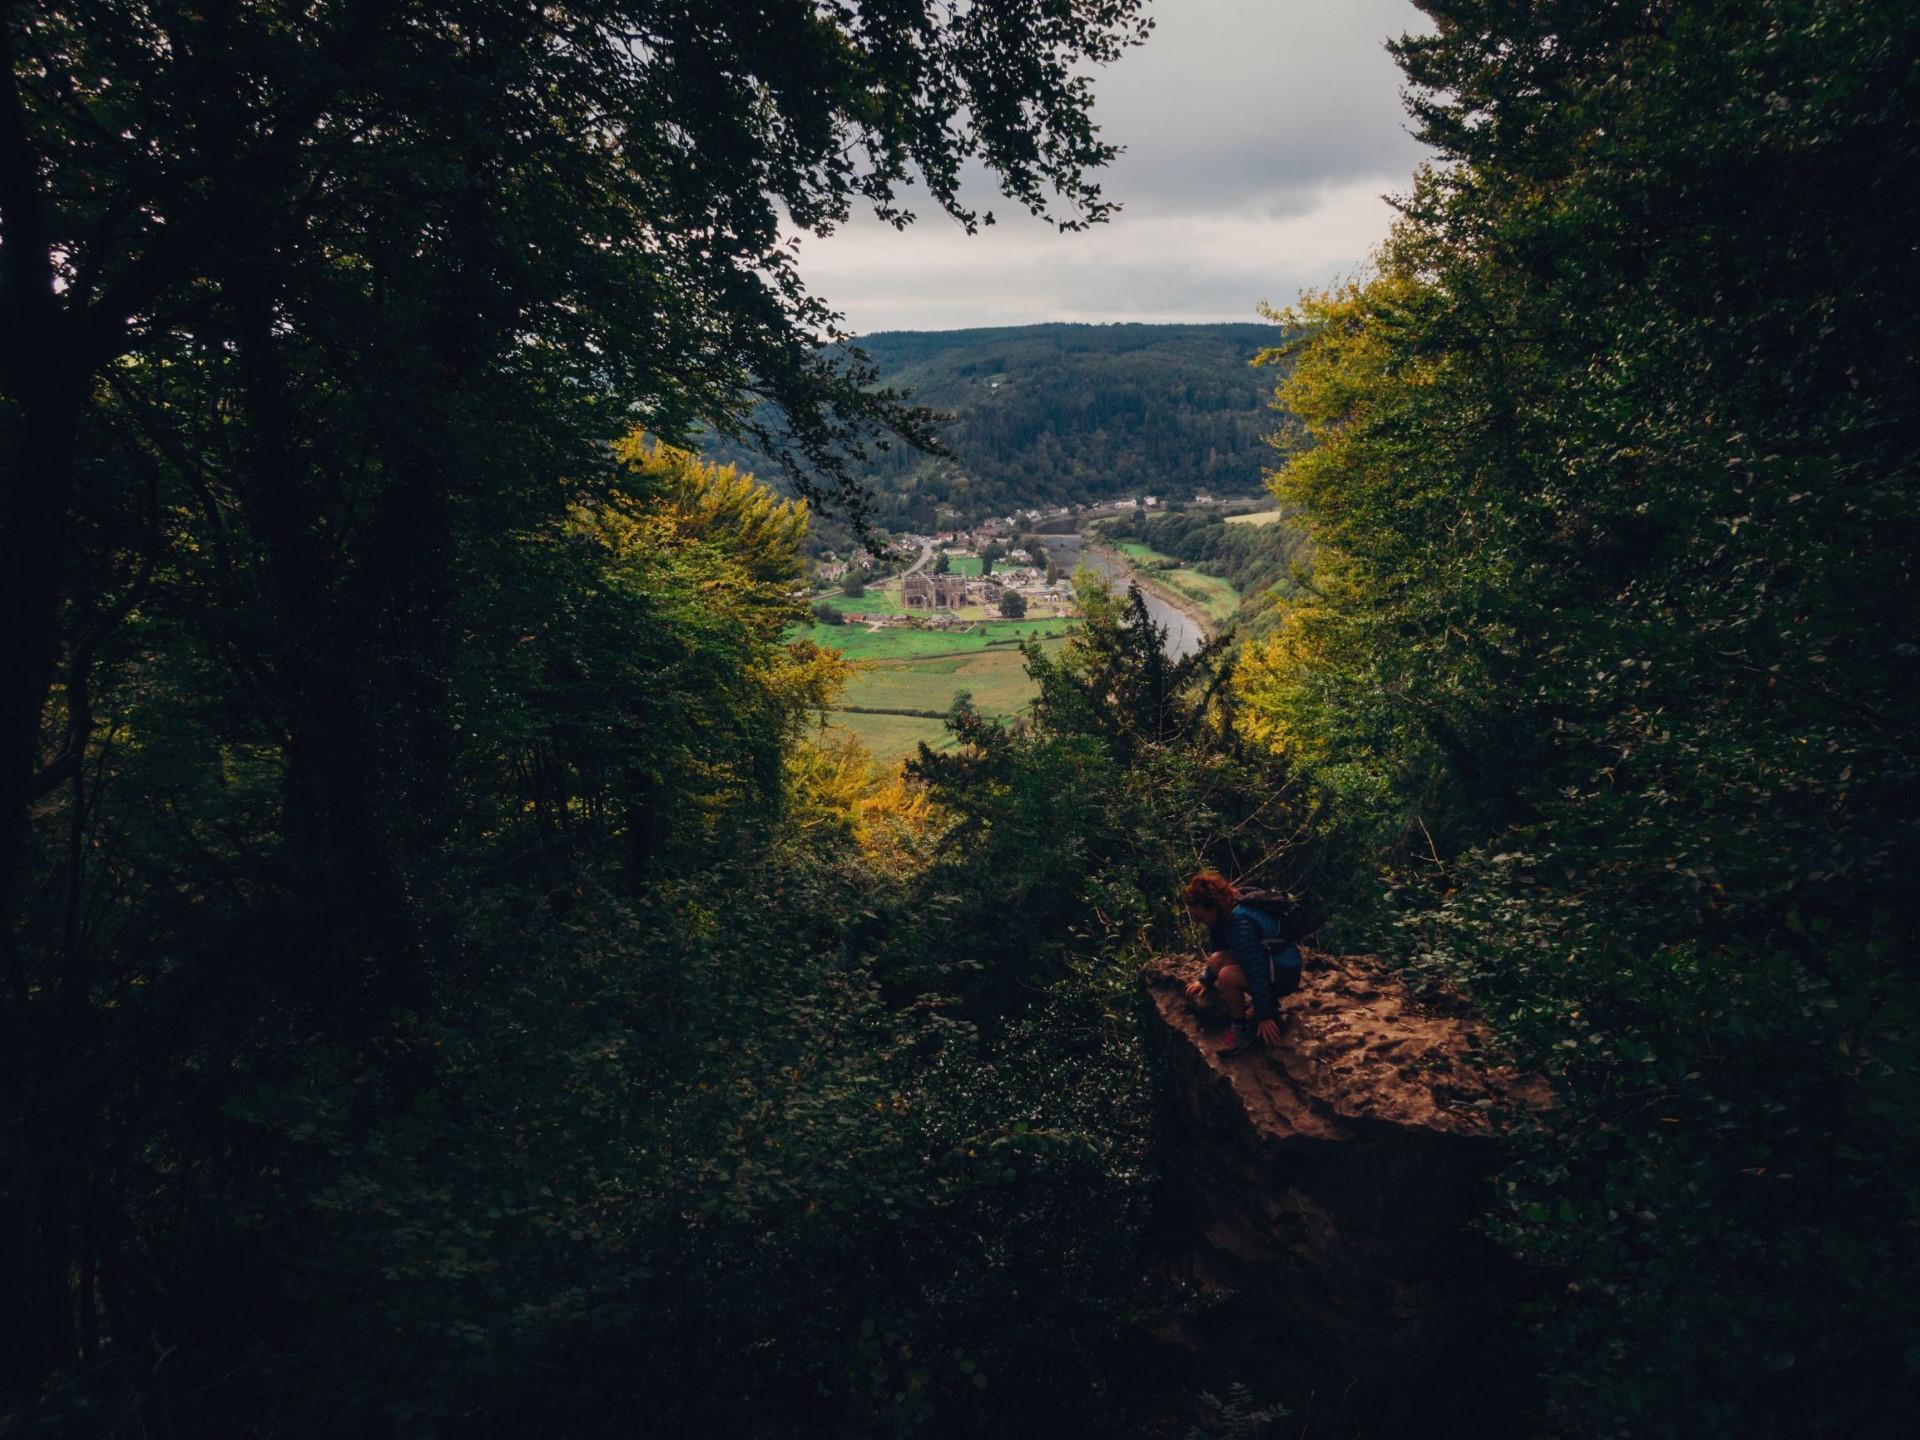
(27, 297)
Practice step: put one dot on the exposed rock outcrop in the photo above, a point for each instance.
(1323, 1196)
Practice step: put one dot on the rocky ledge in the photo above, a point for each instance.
(1323, 1196)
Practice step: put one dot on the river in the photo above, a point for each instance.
(1183, 635)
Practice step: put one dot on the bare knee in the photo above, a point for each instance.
(1231, 983)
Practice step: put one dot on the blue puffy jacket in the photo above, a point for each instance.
(1270, 973)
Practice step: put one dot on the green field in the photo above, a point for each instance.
(963, 564)
(1038, 611)
(1145, 554)
(892, 738)
(997, 680)
(874, 602)
(1212, 594)
(857, 642)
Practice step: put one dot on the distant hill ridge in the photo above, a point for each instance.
(1063, 413)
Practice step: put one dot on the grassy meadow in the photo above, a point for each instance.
(891, 738)
(997, 680)
(857, 642)
(1212, 594)
(874, 602)
(924, 670)
(1144, 554)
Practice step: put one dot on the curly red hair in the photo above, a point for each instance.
(1210, 890)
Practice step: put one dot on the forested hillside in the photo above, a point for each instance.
(1044, 415)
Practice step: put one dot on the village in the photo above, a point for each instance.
(945, 619)
(946, 580)
(997, 569)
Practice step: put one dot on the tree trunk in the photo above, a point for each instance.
(34, 498)
(26, 1342)
(33, 522)
(355, 941)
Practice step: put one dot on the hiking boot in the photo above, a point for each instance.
(1240, 1039)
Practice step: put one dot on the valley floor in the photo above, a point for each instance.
(995, 677)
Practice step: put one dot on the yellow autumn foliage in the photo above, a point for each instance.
(1339, 478)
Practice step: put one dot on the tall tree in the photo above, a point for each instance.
(1612, 502)
(369, 288)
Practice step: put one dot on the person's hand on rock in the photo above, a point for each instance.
(1269, 1033)
(1195, 989)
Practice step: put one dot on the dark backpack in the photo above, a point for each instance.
(1295, 922)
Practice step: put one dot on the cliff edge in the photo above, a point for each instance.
(1322, 1197)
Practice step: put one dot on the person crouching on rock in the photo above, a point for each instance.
(1249, 964)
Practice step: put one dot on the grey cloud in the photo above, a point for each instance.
(1235, 102)
(1259, 137)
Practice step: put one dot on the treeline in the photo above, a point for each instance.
(1610, 483)
(1044, 415)
(1258, 560)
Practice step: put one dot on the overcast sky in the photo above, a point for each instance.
(1260, 138)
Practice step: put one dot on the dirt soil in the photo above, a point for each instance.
(1356, 1049)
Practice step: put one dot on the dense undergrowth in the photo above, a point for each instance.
(737, 1083)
